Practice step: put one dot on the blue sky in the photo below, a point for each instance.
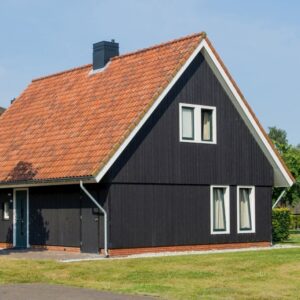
(259, 42)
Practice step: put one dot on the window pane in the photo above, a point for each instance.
(219, 209)
(6, 211)
(206, 116)
(188, 123)
(245, 211)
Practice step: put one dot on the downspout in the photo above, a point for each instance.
(104, 213)
(280, 197)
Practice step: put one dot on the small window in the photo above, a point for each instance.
(220, 209)
(187, 123)
(246, 209)
(207, 126)
(197, 123)
(6, 210)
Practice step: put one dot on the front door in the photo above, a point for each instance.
(21, 207)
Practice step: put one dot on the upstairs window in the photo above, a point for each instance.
(197, 123)
(207, 125)
(188, 123)
(220, 209)
(246, 209)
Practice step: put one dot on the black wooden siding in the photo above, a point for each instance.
(157, 156)
(55, 215)
(161, 187)
(161, 215)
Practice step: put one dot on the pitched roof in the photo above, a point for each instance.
(74, 124)
(69, 124)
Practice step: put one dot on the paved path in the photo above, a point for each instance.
(56, 292)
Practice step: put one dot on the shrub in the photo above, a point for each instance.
(295, 222)
(281, 219)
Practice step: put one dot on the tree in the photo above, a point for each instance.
(278, 136)
(291, 156)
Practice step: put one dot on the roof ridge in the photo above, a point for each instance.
(190, 36)
(203, 34)
(62, 72)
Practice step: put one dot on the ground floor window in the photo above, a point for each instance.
(6, 210)
(246, 209)
(220, 209)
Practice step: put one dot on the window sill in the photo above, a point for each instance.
(219, 232)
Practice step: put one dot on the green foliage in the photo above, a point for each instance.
(295, 222)
(291, 156)
(281, 220)
(278, 136)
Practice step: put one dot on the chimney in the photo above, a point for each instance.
(102, 52)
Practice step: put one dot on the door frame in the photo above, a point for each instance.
(14, 216)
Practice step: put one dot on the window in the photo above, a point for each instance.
(197, 123)
(206, 125)
(220, 209)
(246, 209)
(187, 123)
(6, 210)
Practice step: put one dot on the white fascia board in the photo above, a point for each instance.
(38, 184)
(281, 177)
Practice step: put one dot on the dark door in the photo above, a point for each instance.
(89, 226)
(21, 218)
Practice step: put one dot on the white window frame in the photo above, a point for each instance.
(198, 123)
(252, 208)
(227, 209)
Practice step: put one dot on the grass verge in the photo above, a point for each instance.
(273, 274)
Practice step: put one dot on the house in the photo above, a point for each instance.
(154, 150)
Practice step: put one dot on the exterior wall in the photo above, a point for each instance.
(160, 193)
(63, 216)
(162, 215)
(156, 156)
(6, 226)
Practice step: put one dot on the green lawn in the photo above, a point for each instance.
(294, 238)
(273, 274)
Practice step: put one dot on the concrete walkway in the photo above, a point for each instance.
(55, 292)
(46, 255)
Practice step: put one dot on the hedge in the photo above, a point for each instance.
(295, 222)
(281, 220)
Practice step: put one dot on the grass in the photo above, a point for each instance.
(273, 274)
(294, 238)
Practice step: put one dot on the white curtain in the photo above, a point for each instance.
(245, 210)
(219, 209)
(187, 123)
(207, 126)
(6, 210)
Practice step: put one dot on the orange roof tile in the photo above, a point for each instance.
(69, 124)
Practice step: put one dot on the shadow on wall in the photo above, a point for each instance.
(22, 171)
(39, 233)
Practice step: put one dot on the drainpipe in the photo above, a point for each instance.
(280, 197)
(104, 213)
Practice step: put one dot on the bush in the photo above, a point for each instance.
(295, 222)
(281, 220)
